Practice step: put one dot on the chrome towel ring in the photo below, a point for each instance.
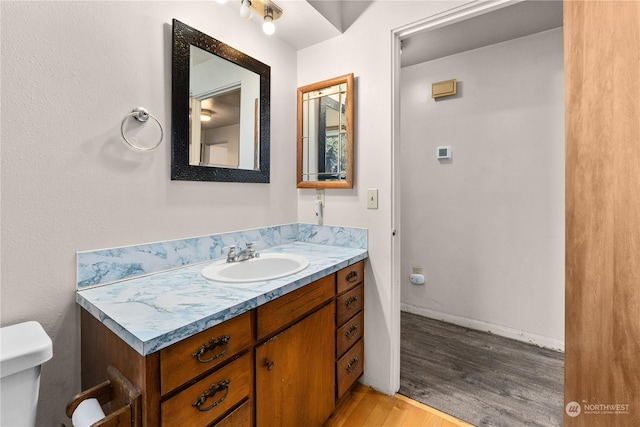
(142, 115)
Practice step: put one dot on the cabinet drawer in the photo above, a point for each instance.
(349, 367)
(349, 333)
(178, 364)
(224, 388)
(241, 416)
(348, 304)
(350, 276)
(284, 310)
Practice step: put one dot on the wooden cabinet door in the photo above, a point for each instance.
(295, 373)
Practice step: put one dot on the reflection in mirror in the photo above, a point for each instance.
(325, 134)
(223, 99)
(220, 111)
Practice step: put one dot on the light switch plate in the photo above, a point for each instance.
(372, 198)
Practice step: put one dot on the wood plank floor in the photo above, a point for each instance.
(478, 377)
(367, 407)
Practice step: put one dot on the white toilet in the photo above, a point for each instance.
(23, 348)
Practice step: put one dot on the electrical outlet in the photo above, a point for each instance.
(372, 198)
(417, 270)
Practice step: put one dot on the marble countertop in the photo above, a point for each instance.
(154, 311)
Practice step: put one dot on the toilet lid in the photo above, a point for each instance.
(23, 346)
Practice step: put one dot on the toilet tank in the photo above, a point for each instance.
(23, 348)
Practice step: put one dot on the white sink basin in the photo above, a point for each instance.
(266, 267)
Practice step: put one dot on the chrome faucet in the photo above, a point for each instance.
(247, 253)
(231, 255)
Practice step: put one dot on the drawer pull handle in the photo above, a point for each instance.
(213, 343)
(268, 364)
(352, 331)
(352, 277)
(352, 302)
(213, 389)
(352, 365)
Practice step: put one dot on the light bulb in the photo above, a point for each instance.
(268, 26)
(245, 9)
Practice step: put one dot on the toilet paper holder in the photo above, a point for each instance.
(121, 401)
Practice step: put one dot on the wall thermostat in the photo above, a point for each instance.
(444, 153)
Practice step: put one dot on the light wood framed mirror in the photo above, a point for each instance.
(325, 134)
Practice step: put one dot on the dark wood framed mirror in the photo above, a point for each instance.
(325, 134)
(220, 111)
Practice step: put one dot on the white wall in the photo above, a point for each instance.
(488, 227)
(365, 50)
(223, 146)
(71, 71)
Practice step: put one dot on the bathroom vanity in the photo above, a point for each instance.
(287, 360)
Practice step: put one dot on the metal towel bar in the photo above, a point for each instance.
(142, 115)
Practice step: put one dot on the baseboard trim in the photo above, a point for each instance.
(503, 331)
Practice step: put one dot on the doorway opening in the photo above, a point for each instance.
(485, 228)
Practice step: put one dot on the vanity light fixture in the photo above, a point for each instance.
(268, 26)
(268, 10)
(245, 9)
